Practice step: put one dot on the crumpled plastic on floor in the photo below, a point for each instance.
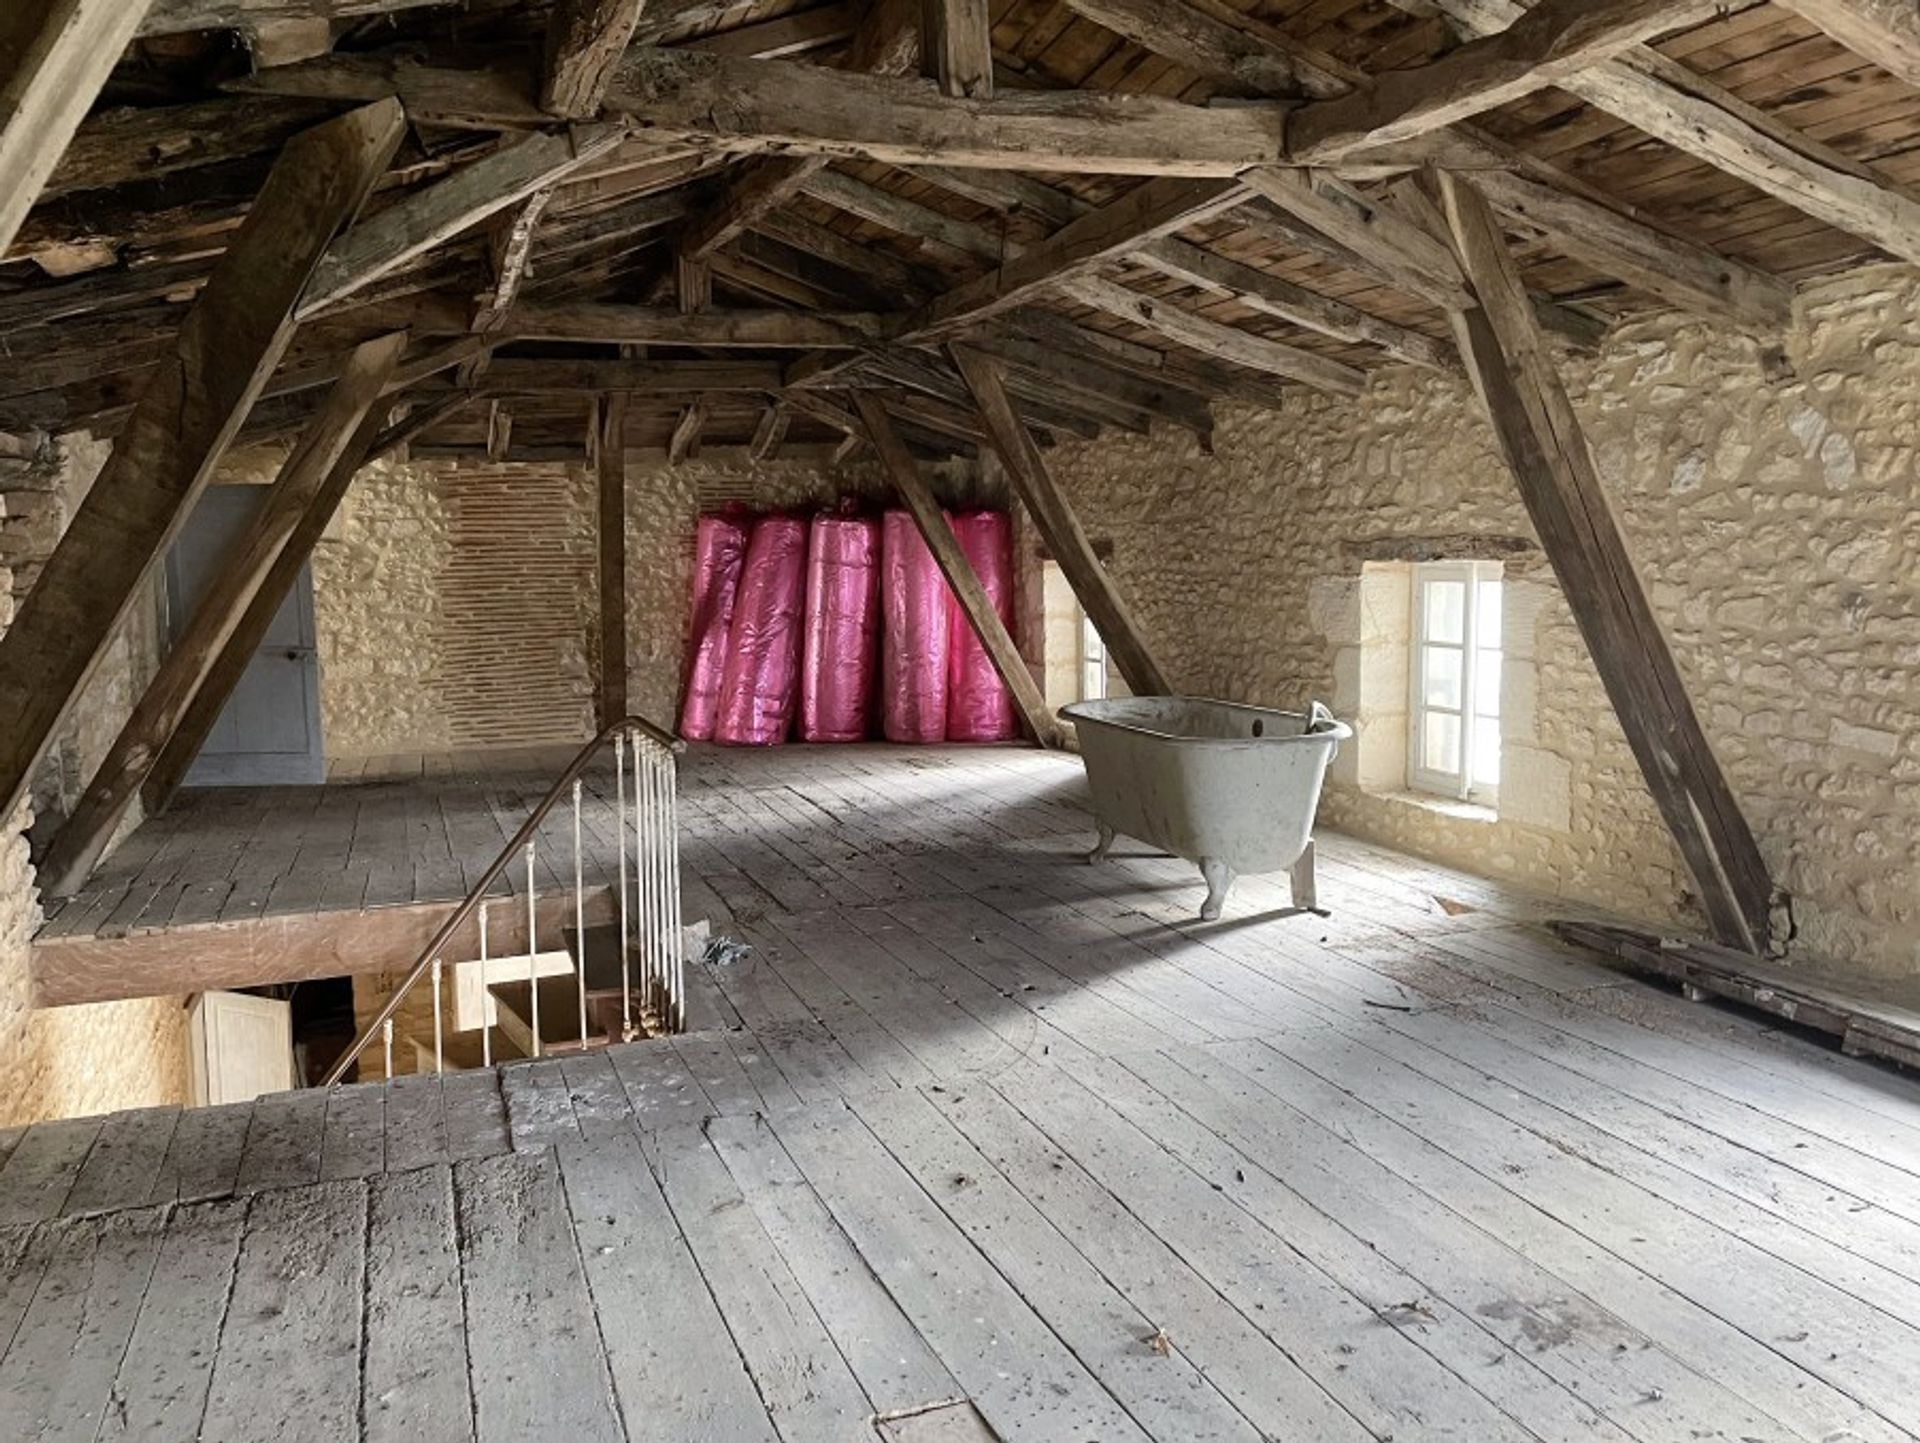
(725, 952)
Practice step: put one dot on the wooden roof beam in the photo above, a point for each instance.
(1195, 266)
(959, 42)
(776, 105)
(585, 40)
(1546, 45)
(218, 612)
(54, 57)
(1887, 32)
(1226, 343)
(1097, 238)
(429, 217)
(684, 444)
(1216, 41)
(887, 43)
(1692, 114)
(1553, 467)
(650, 325)
(517, 376)
(1059, 527)
(185, 417)
(174, 17)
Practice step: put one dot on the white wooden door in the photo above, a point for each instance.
(269, 732)
(240, 1047)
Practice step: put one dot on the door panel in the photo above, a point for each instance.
(269, 732)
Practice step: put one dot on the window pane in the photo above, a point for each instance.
(1486, 615)
(1486, 683)
(1441, 676)
(1440, 743)
(1486, 751)
(1446, 610)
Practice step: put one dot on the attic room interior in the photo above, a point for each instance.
(960, 721)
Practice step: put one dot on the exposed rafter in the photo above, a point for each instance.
(1225, 46)
(1692, 114)
(1887, 32)
(887, 43)
(959, 39)
(1096, 239)
(1226, 343)
(184, 419)
(585, 41)
(54, 57)
(1546, 45)
(429, 217)
(777, 105)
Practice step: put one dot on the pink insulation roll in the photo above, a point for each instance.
(761, 686)
(842, 629)
(979, 706)
(914, 603)
(720, 545)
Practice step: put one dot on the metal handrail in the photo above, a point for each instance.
(521, 840)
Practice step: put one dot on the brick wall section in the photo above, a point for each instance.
(455, 608)
(70, 1061)
(518, 600)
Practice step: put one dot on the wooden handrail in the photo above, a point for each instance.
(513, 848)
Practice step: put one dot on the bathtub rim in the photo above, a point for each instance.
(1339, 732)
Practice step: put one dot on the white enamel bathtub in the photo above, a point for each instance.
(1231, 787)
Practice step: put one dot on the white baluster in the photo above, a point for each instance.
(675, 940)
(620, 831)
(486, 994)
(643, 866)
(579, 915)
(439, 1034)
(533, 966)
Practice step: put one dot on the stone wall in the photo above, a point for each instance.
(457, 605)
(1775, 523)
(70, 1061)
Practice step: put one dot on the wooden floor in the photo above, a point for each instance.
(975, 1123)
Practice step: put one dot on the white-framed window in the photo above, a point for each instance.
(1093, 662)
(1454, 749)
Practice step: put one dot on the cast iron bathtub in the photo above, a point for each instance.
(1231, 787)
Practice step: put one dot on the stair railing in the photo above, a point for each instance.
(651, 783)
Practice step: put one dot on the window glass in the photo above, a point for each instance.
(1456, 678)
(1446, 607)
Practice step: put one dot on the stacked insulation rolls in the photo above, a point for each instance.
(840, 627)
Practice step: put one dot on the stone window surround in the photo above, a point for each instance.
(1365, 614)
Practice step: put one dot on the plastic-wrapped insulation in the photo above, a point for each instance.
(761, 687)
(979, 706)
(915, 631)
(720, 545)
(842, 629)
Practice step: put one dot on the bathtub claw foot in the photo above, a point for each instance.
(1103, 846)
(1219, 878)
(1300, 879)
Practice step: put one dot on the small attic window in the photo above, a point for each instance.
(1454, 707)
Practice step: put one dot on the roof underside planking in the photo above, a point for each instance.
(1113, 197)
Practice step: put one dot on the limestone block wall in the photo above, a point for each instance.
(1775, 523)
(70, 1061)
